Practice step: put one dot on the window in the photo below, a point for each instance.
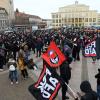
(56, 24)
(86, 19)
(94, 19)
(59, 20)
(80, 19)
(56, 21)
(76, 19)
(79, 24)
(90, 19)
(56, 16)
(53, 21)
(73, 20)
(59, 24)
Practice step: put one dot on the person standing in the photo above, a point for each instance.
(97, 76)
(65, 71)
(2, 57)
(22, 67)
(38, 47)
(12, 70)
(98, 48)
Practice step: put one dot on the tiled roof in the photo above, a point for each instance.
(26, 15)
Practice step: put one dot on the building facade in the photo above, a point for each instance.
(26, 21)
(34, 21)
(74, 15)
(48, 23)
(3, 19)
(9, 7)
(99, 19)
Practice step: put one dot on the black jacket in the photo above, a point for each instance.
(97, 76)
(89, 93)
(98, 47)
(65, 71)
(90, 96)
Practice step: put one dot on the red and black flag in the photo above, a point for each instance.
(47, 86)
(54, 57)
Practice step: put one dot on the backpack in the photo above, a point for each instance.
(12, 68)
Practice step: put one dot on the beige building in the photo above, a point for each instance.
(74, 15)
(9, 7)
(99, 19)
(3, 19)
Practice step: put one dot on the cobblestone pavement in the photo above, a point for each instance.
(81, 70)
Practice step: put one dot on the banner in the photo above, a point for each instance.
(54, 57)
(47, 86)
(90, 49)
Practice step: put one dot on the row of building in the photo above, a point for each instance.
(26, 21)
(72, 15)
(22, 21)
(10, 18)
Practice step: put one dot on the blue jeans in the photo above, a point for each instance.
(13, 75)
(98, 91)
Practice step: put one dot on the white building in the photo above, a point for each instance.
(48, 23)
(99, 19)
(3, 19)
(74, 15)
(9, 7)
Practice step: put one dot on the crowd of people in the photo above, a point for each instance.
(15, 50)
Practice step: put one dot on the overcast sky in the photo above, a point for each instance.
(44, 8)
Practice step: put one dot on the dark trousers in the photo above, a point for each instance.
(1, 62)
(13, 75)
(38, 52)
(98, 91)
(24, 73)
(33, 49)
(78, 55)
(74, 53)
(64, 90)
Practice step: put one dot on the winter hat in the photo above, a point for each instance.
(67, 50)
(85, 87)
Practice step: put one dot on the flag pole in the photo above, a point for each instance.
(73, 93)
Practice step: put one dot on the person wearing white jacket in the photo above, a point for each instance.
(12, 70)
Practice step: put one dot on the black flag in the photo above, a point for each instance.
(47, 86)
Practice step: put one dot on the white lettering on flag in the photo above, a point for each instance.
(90, 49)
(47, 84)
